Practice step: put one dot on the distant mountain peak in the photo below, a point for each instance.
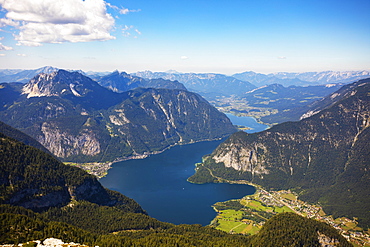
(171, 71)
(57, 83)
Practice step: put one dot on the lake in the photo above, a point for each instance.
(159, 184)
(248, 122)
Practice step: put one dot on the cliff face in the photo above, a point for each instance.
(78, 120)
(63, 144)
(297, 149)
(36, 180)
(325, 152)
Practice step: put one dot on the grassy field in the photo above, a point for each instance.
(289, 196)
(232, 221)
(249, 218)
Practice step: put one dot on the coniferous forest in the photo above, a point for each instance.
(41, 198)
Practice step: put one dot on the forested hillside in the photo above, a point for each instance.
(42, 198)
(325, 157)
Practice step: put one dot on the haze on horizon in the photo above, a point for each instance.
(188, 36)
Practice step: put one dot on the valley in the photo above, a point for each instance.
(143, 137)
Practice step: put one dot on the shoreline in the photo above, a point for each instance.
(100, 169)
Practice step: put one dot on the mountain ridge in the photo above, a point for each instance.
(304, 78)
(71, 205)
(121, 82)
(79, 120)
(320, 156)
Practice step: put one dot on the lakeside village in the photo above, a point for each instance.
(247, 215)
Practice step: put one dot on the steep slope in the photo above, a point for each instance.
(20, 136)
(36, 180)
(70, 204)
(78, 120)
(121, 82)
(9, 93)
(72, 86)
(321, 156)
(301, 232)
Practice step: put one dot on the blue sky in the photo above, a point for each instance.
(186, 35)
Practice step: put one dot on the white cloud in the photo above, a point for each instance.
(127, 33)
(8, 22)
(122, 11)
(50, 21)
(281, 57)
(5, 48)
(22, 55)
(2, 55)
(125, 11)
(184, 57)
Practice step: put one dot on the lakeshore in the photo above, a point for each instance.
(248, 214)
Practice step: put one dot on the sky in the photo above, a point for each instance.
(200, 36)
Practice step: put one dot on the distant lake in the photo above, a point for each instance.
(159, 184)
(248, 122)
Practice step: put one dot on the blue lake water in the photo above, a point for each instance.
(248, 122)
(159, 184)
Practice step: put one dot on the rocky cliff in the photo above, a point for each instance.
(78, 120)
(33, 179)
(315, 155)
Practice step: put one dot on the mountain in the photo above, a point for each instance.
(23, 76)
(43, 198)
(20, 136)
(307, 109)
(325, 77)
(32, 179)
(36, 180)
(78, 120)
(276, 96)
(284, 101)
(306, 232)
(121, 82)
(302, 79)
(260, 80)
(325, 157)
(207, 84)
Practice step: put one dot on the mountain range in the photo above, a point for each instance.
(325, 156)
(121, 82)
(284, 103)
(209, 82)
(206, 84)
(43, 198)
(23, 76)
(302, 79)
(79, 120)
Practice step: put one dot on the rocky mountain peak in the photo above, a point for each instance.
(58, 83)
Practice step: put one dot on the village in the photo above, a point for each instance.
(262, 205)
(347, 227)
